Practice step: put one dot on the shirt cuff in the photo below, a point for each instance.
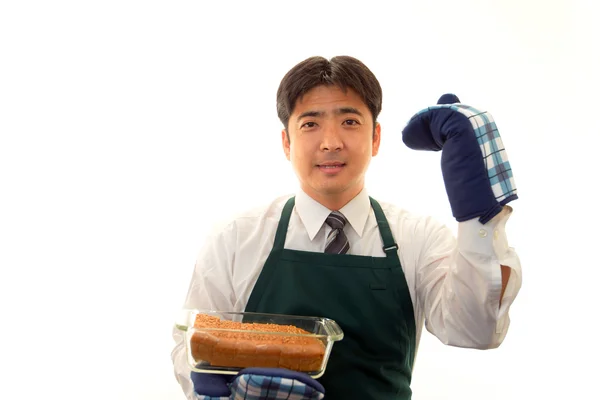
(489, 241)
(485, 239)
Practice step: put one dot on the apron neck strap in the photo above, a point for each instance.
(283, 224)
(390, 247)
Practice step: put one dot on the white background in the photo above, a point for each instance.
(129, 127)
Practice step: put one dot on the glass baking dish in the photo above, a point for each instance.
(227, 342)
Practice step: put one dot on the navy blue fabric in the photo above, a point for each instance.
(219, 385)
(448, 98)
(213, 385)
(469, 172)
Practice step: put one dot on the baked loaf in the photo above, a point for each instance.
(250, 349)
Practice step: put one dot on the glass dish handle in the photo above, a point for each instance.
(333, 330)
(185, 319)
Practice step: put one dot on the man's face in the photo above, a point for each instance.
(331, 143)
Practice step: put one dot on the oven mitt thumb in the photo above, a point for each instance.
(257, 383)
(477, 175)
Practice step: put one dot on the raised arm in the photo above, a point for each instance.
(466, 285)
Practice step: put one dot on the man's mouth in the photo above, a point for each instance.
(331, 167)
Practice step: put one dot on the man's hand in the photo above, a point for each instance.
(477, 174)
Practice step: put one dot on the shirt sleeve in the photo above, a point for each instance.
(459, 282)
(210, 288)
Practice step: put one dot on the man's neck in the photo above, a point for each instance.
(333, 201)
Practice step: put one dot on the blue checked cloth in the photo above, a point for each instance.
(264, 384)
(478, 176)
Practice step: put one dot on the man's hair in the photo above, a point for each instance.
(342, 71)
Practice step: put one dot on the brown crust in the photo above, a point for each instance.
(249, 349)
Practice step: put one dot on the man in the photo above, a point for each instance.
(332, 251)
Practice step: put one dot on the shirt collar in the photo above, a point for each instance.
(313, 214)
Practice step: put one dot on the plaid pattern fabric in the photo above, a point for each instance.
(492, 149)
(260, 387)
(252, 386)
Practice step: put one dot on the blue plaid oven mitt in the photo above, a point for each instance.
(477, 175)
(257, 384)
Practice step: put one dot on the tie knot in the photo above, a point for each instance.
(336, 220)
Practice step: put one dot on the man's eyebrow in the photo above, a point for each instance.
(339, 111)
(348, 110)
(310, 114)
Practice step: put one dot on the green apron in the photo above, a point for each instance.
(367, 296)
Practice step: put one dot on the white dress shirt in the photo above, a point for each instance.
(455, 283)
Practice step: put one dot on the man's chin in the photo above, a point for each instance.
(333, 189)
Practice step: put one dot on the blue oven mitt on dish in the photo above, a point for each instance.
(257, 384)
(477, 175)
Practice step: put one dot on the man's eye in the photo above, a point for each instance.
(308, 125)
(351, 122)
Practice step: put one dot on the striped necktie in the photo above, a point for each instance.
(337, 242)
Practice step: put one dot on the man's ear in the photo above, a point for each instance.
(376, 139)
(285, 143)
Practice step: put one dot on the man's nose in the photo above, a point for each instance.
(332, 139)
